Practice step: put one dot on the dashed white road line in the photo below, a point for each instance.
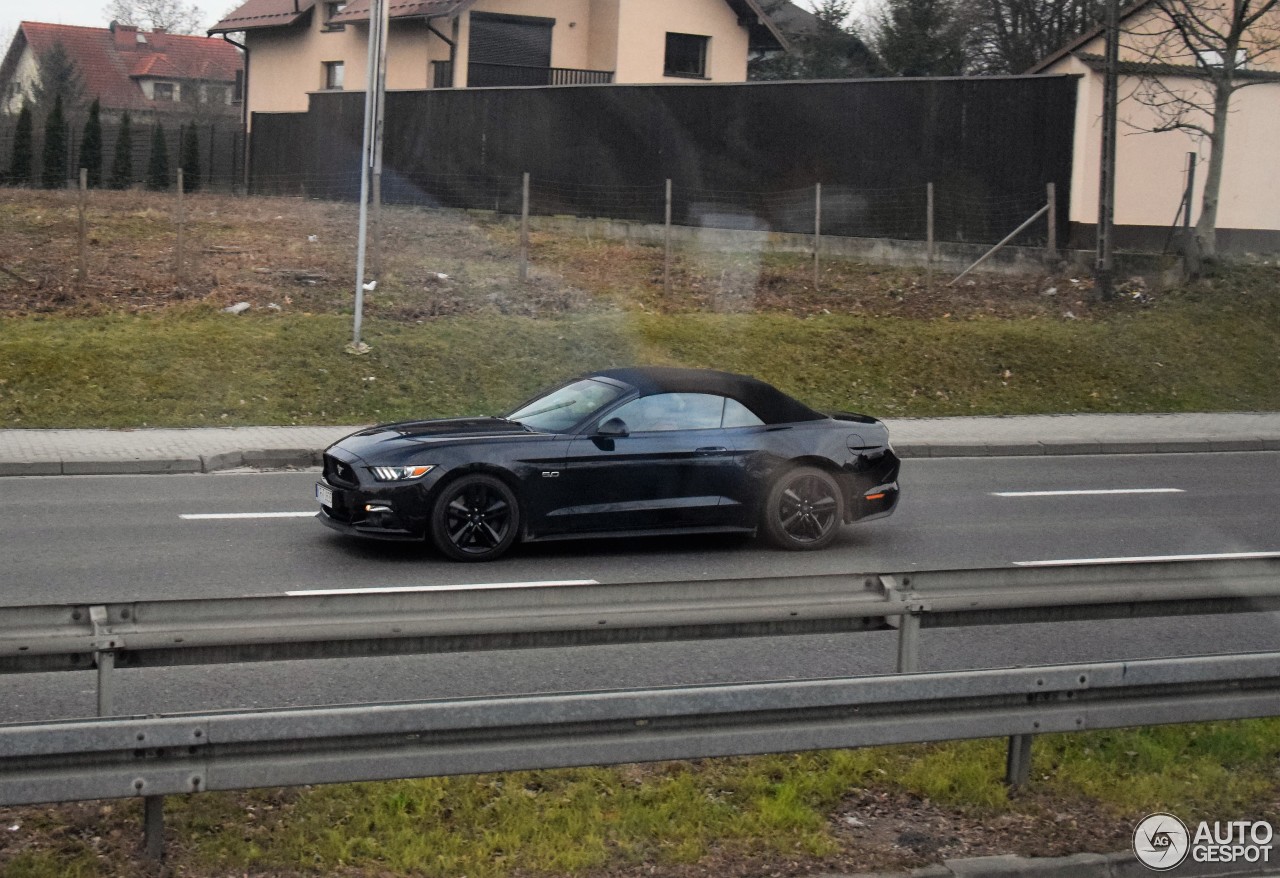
(222, 516)
(1143, 559)
(1087, 492)
(477, 586)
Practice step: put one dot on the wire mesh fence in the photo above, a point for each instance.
(894, 212)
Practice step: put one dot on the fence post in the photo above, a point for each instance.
(177, 256)
(666, 243)
(84, 229)
(375, 223)
(1191, 192)
(998, 247)
(928, 236)
(1052, 249)
(524, 228)
(1018, 761)
(153, 826)
(817, 234)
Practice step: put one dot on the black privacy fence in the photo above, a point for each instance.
(753, 156)
(220, 149)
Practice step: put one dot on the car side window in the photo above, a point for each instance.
(673, 411)
(738, 415)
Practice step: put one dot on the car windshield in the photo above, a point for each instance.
(566, 406)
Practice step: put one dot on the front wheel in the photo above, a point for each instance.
(476, 518)
(804, 509)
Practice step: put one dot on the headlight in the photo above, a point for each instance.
(399, 473)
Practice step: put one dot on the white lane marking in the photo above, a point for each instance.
(1143, 559)
(1087, 493)
(478, 586)
(221, 516)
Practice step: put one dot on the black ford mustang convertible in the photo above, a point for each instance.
(619, 451)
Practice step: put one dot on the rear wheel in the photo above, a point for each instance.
(476, 518)
(804, 509)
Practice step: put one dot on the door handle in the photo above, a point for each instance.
(712, 449)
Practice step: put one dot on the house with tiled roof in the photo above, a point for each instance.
(295, 48)
(147, 73)
(1156, 65)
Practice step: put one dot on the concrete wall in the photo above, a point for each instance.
(949, 259)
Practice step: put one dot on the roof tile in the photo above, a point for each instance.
(110, 67)
(263, 13)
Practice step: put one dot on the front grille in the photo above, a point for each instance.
(336, 472)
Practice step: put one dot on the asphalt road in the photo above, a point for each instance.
(114, 538)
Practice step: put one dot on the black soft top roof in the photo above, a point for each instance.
(768, 403)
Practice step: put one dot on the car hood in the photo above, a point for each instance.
(397, 437)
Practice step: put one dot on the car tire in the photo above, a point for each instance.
(803, 510)
(475, 518)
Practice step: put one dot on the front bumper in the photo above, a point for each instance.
(873, 488)
(383, 515)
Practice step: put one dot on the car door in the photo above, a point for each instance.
(671, 468)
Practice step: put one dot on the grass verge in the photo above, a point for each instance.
(198, 367)
(894, 807)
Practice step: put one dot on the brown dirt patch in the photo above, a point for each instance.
(300, 255)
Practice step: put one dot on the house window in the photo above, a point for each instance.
(1215, 59)
(686, 56)
(162, 91)
(331, 10)
(333, 75)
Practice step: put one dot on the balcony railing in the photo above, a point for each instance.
(480, 75)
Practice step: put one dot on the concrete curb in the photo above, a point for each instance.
(1122, 864)
(46, 452)
(297, 458)
(1073, 446)
(264, 458)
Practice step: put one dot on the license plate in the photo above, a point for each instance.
(324, 494)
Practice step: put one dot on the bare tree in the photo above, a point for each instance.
(174, 16)
(1194, 55)
(1009, 36)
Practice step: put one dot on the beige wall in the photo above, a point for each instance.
(643, 29)
(287, 64)
(603, 54)
(1146, 33)
(25, 73)
(1151, 167)
(624, 36)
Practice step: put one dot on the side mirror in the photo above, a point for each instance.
(614, 428)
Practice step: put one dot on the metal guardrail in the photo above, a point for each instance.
(155, 756)
(272, 628)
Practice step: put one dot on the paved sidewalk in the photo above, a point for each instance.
(89, 452)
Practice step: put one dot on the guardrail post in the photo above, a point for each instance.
(909, 643)
(1018, 762)
(105, 658)
(153, 826)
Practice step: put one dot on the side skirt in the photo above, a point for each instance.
(654, 532)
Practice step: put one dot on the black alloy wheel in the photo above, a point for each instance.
(804, 509)
(476, 518)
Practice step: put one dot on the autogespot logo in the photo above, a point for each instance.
(1161, 842)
